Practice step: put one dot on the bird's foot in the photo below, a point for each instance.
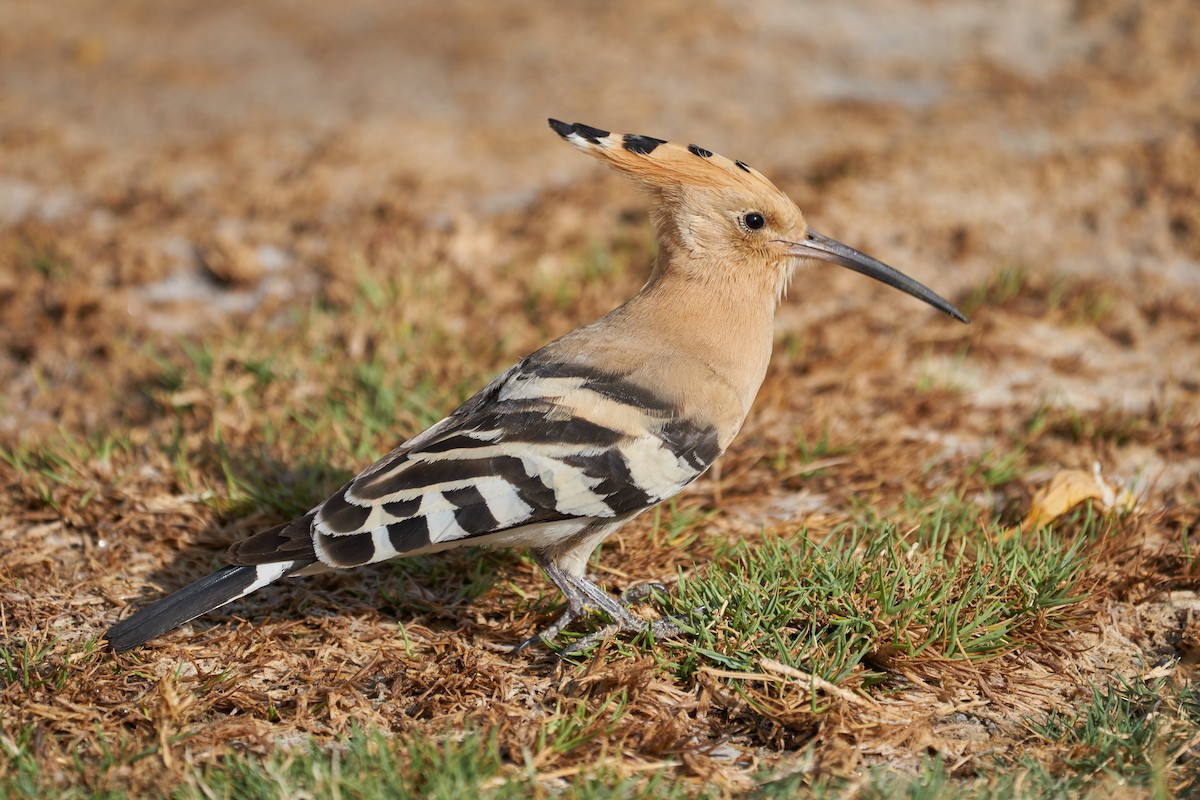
(665, 628)
(583, 597)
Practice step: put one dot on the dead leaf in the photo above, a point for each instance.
(1068, 489)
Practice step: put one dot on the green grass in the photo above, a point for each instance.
(1134, 738)
(998, 468)
(364, 766)
(80, 467)
(677, 526)
(575, 724)
(271, 419)
(1075, 300)
(27, 665)
(826, 606)
(23, 775)
(804, 457)
(372, 765)
(1129, 733)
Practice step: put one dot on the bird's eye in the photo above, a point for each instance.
(754, 220)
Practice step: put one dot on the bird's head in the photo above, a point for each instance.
(720, 219)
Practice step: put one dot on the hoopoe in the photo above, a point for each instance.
(591, 430)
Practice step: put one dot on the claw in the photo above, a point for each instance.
(526, 644)
(640, 591)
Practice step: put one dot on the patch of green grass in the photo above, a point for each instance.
(1000, 288)
(1132, 732)
(933, 781)
(575, 724)
(802, 451)
(27, 665)
(944, 589)
(365, 765)
(67, 464)
(998, 468)
(676, 527)
(263, 422)
(1078, 301)
(24, 774)
(372, 765)
(1137, 737)
(20, 769)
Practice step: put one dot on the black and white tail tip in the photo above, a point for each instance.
(209, 593)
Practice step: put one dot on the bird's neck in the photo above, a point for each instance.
(725, 322)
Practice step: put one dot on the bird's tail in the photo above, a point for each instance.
(211, 592)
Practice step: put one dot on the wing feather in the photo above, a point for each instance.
(543, 443)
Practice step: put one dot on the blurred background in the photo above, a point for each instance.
(195, 160)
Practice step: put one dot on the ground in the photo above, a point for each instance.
(245, 249)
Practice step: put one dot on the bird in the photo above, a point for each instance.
(593, 429)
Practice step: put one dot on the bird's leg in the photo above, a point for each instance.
(582, 595)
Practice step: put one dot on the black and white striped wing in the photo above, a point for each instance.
(541, 444)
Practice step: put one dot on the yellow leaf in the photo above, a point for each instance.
(1068, 489)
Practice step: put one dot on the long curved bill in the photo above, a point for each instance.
(822, 247)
